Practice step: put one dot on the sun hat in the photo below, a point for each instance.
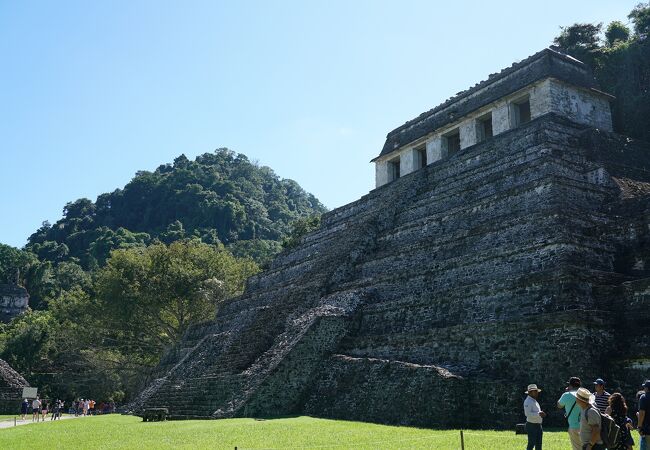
(584, 395)
(532, 387)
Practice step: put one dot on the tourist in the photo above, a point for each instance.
(23, 408)
(36, 409)
(571, 411)
(618, 410)
(602, 396)
(91, 407)
(644, 417)
(534, 417)
(589, 421)
(44, 411)
(56, 407)
(86, 405)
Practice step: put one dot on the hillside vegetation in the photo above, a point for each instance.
(115, 282)
(219, 197)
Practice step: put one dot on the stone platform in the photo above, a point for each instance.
(436, 298)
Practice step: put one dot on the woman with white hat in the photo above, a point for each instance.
(534, 417)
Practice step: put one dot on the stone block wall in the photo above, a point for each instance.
(518, 260)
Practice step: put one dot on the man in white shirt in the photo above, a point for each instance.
(534, 417)
(36, 409)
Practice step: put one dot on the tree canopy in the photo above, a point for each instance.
(621, 64)
(219, 197)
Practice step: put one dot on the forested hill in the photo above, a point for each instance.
(218, 197)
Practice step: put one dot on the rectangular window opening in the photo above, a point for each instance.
(393, 169)
(451, 141)
(484, 127)
(421, 157)
(521, 111)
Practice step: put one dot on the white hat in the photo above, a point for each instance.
(532, 387)
(584, 395)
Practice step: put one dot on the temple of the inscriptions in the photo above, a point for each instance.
(507, 242)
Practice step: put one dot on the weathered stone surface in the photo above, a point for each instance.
(14, 300)
(11, 388)
(520, 259)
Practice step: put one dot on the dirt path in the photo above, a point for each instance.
(9, 423)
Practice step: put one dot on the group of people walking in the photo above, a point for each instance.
(588, 414)
(40, 409)
(81, 407)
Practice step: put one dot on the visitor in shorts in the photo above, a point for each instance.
(590, 421)
(572, 411)
(644, 417)
(44, 412)
(36, 409)
(23, 408)
(602, 396)
(534, 417)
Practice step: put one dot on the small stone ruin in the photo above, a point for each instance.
(11, 389)
(14, 301)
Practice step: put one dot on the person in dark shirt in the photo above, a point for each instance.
(644, 417)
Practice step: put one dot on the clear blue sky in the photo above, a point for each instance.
(92, 91)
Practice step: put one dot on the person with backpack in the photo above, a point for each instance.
(590, 421)
(572, 411)
(618, 410)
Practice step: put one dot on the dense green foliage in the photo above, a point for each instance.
(218, 197)
(128, 432)
(299, 229)
(116, 281)
(621, 64)
(100, 336)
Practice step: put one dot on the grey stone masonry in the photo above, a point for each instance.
(11, 388)
(547, 82)
(14, 300)
(436, 298)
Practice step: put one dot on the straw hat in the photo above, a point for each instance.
(532, 387)
(584, 395)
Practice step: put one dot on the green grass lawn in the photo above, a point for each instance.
(127, 432)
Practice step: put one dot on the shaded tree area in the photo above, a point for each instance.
(100, 337)
(620, 60)
(219, 197)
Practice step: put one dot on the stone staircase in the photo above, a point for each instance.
(431, 288)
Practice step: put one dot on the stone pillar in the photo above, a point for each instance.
(540, 99)
(500, 118)
(434, 149)
(407, 161)
(467, 133)
(381, 173)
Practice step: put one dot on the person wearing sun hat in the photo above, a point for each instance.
(590, 421)
(534, 417)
